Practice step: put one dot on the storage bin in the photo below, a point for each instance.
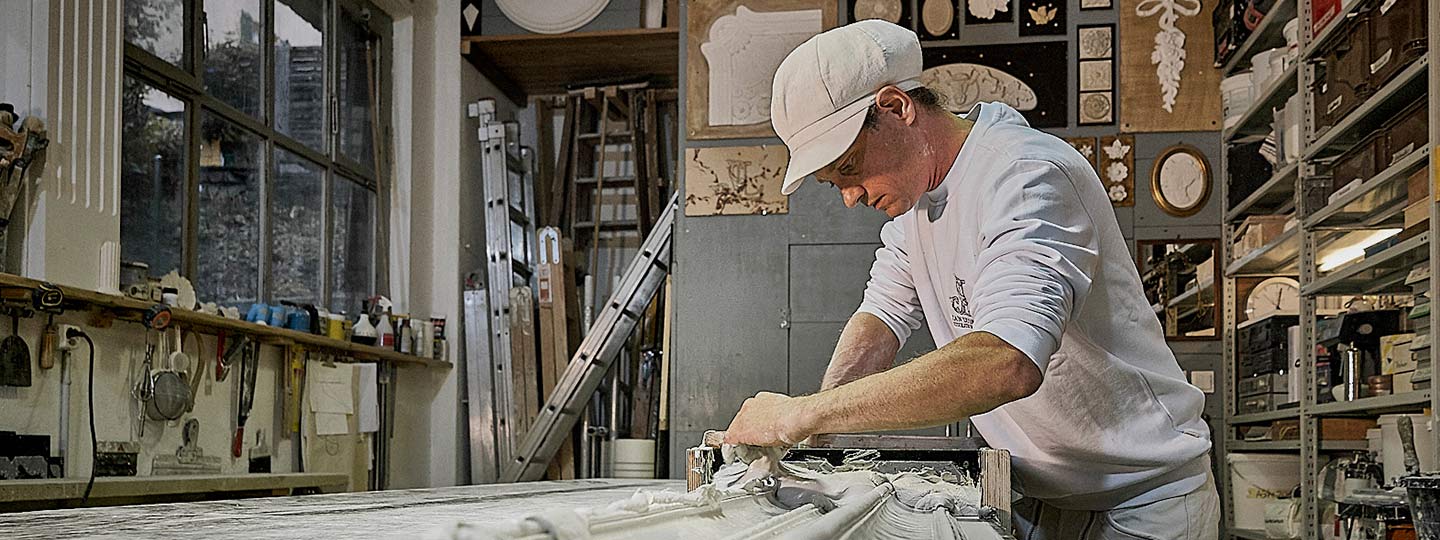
(1408, 132)
(1257, 479)
(1343, 73)
(1360, 162)
(1397, 38)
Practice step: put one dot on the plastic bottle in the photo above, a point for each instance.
(406, 341)
(363, 332)
(386, 331)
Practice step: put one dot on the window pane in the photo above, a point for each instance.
(228, 255)
(352, 245)
(296, 229)
(358, 73)
(233, 72)
(157, 26)
(300, 71)
(152, 177)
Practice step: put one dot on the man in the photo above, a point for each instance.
(1003, 239)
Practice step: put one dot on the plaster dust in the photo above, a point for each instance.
(766, 498)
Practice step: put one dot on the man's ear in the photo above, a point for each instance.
(892, 100)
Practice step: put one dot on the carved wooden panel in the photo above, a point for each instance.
(735, 180)
(1167, 82)
(733, 48)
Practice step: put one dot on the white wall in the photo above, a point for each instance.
(437, 234)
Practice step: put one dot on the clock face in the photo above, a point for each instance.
(1181, 181)
(1274, 295)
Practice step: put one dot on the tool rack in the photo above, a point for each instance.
(1296, 252)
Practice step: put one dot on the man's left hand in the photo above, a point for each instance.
(770, 419)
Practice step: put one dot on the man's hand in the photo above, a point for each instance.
(770, 419)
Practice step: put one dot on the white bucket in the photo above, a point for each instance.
(1374, 441)
(1392, 455)
(1291, 31)
(634, 458)
(1258, 479)
(1236, 95)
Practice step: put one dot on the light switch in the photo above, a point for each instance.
(1204, 380)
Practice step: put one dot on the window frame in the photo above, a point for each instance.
(186, 83)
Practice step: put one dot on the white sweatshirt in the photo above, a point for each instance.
(1020, 241)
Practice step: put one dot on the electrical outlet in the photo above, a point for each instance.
(65, 341)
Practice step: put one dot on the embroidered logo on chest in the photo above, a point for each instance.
(960, 304)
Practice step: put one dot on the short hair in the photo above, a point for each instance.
(921, 95)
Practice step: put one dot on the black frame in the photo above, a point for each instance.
(185, 82)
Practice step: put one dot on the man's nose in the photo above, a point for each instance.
(853, 195)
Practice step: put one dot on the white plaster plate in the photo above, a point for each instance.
(551, 16)
(963, 85)
(1096, 75)
(743, 52)
(1182, 179)
(1096, 108)
(885, 10)
(1096, 42)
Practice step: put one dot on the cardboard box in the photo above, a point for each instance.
(1417, 189)
(1331, 429)
(1401, 383)
(1417, 213)
(1395, 354)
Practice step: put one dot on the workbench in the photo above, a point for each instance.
(376, 514)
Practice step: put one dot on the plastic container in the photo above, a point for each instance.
(1291, 31)
(1261, 74)
(634, 458)
(1393, 456)
(1236, 95)
(1258, 479)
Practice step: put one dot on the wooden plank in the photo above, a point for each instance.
(1197, 104)
(557, 300)
(522, 359)
(543, 64)
(130, 309)
(137, 486)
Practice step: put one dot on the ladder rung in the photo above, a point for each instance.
(615, 225)
(612, 134)
(518, 217)
(521, 269)
(624, 181)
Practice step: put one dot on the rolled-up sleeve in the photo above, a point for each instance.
(1038, 254)
(890, 293)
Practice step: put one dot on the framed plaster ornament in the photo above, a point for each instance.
(551, 16)
(733, 48)
(1086, 5)
(1180, 181)
(988, 12)
(1117, 168)
(1096, 41)
(1042, 17)
(1096, 108)
(1030, 78)
(938, 20)
(1173, 87)
(1096, 75)
(1086, 146)
(735, 180)
(895, 11)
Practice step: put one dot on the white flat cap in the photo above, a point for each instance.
(825, 86)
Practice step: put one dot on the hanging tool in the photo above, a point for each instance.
(195, 369)
(47, 343)
(156, 318)
(170, 393)
(249, 365)
(225, 359)
(14, 356)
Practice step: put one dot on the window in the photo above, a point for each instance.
(248, 150)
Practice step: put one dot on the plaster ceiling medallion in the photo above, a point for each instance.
(743, 53)
(1096, 42)
(551, 16)
(1169, 53)
(1181, 181)
(885, 10)
(1032, 79)
(937, 16)
(1095, 75)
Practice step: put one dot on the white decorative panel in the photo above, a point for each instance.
(743, 53)
(84, 123)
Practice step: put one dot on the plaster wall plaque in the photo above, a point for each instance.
(1042, 17)
(733, 48)
(1117, 168)
(988, 11)
(743, 52)
(895, 11)
(551, 16)
(938, 20)
(1173, 87)
(1096, 41)
(1032, 79)
(1096, 108)
(1086, 146)
(738, 180)
(1095, 75)
(1095, 4)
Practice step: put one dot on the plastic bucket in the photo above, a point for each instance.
(634, 458)
(1258, 479)
(1236, 95)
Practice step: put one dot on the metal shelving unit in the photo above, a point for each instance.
(1376, 203)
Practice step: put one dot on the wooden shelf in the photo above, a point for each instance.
(539, 64)
(129, 308)
(133, 487)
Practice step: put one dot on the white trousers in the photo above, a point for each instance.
(1193, 516)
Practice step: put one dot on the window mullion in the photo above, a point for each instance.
(189, 266)
(327, 277)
